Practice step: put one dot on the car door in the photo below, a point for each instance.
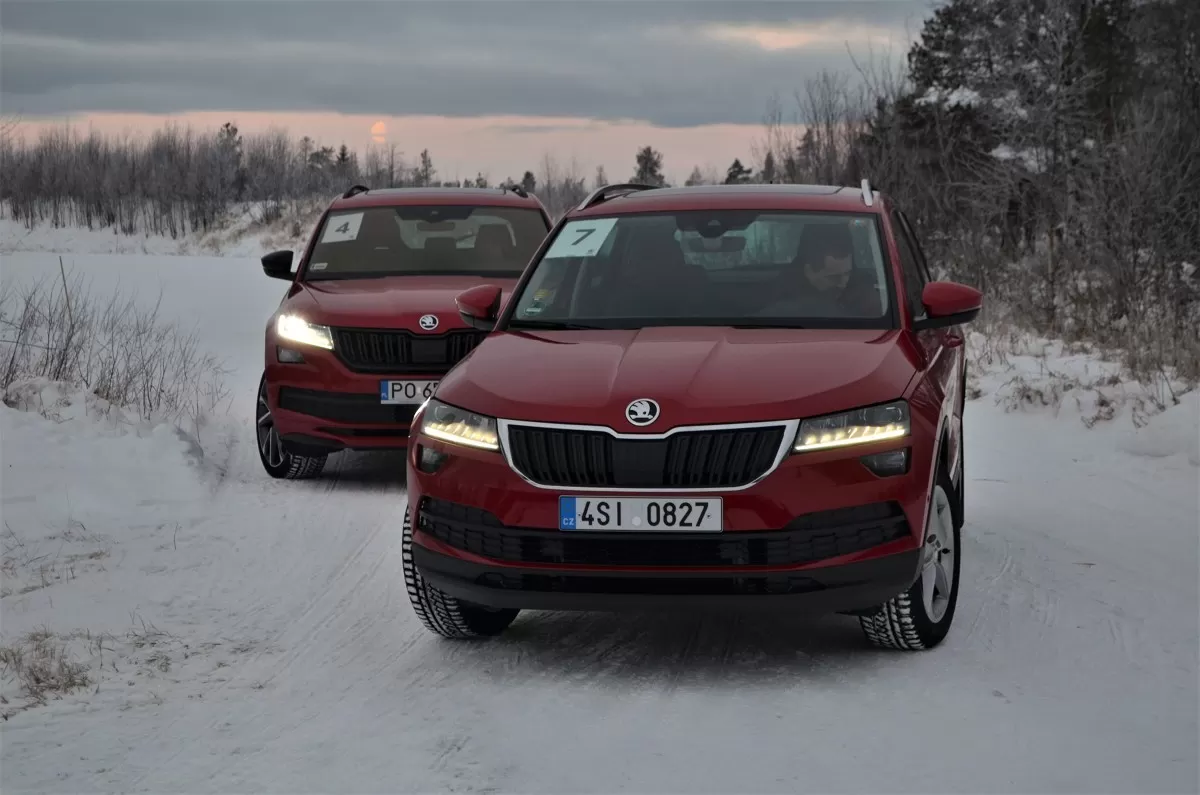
(943, 348)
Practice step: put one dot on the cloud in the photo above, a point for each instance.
(670, 63)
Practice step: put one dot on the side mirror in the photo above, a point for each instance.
(948, 304)
(480, 306)
(278, 265)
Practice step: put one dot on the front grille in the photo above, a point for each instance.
(806, 539)
(344, 407)
(691, 459)
(382, 351)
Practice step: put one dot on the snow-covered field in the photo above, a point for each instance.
(238, 634)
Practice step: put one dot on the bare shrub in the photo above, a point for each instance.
(115, 348)
(41, 664)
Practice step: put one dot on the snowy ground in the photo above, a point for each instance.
(239, 634)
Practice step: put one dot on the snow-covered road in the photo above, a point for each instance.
(259, 637)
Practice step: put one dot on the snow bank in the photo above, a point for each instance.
(243, 235)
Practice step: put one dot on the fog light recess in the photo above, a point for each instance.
(289, 356)
(430, 460)
(889, 464)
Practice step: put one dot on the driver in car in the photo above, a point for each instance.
(819, 275)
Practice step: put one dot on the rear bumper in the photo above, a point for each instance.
(829, 589)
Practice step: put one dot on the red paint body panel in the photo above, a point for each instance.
(393, 302)
(698, 375)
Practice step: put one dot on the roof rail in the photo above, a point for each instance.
(868, 196)
(517, 189)
(602, 194)
(354, 190)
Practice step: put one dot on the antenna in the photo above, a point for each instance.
(868, 197)
(354, 190)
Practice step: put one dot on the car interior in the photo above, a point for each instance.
(643, 271)
(386, 243)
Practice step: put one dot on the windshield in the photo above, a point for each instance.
(425, 240)
(739, 268)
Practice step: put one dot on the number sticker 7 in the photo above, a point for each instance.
(583, 235)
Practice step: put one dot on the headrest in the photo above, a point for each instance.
(440, 245)
(493, 235)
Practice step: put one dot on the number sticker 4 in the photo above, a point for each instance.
(342, 228)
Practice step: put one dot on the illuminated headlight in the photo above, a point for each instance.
(297, 329)
(451, 424)
(861, 426)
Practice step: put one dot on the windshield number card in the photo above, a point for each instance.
(342, 228)
(581, 238)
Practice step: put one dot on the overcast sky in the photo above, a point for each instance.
(663, 65)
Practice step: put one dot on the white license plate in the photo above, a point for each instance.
(649, 514)
(405, 393)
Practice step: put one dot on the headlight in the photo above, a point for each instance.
(451, 424)
(861, 426)
(297, 329)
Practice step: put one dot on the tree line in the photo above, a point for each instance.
(1046, 151)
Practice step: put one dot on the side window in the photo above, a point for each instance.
(913, 281)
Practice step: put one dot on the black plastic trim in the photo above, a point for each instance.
(847, 588)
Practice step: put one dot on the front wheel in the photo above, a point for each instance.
(920, 617)
(275, 458)
(440, 612)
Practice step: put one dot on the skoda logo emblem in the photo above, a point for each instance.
(428, 322)
(642, 411)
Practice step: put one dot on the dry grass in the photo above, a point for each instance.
(119, 351)
(42, 665)
(1021, 370)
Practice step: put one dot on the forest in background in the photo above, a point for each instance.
(1046, 151)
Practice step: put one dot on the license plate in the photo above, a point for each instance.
(650, 514)
(405, 392)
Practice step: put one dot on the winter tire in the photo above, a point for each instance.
(275, 458)
(920, 617)
(438, 611)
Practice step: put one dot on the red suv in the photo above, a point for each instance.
(731, 395)
(369, 324)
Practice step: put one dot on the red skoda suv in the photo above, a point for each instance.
(746, 395)
(369, 324)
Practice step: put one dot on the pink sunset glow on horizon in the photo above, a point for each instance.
(461, 147)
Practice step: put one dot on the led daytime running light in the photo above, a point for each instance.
(462, 433)
(856, 427)
(453, 425)
(844, 437)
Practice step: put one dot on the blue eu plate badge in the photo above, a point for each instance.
(566, 513)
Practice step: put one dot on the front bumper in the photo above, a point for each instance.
(846, 588)
(820, 532)
(320, 406)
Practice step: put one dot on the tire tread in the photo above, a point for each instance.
(439, 612)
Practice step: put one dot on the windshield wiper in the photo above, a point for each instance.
(766, 324)
(552, 325)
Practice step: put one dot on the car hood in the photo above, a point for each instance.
(389, 302)
(697, 375)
